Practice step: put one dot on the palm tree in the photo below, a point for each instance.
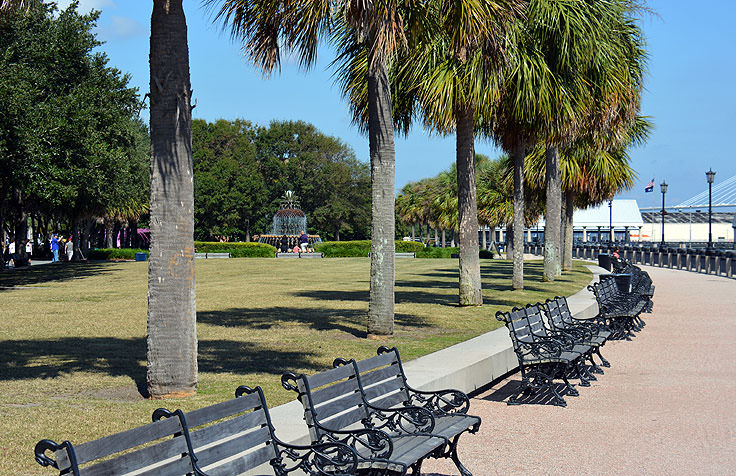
(452, 76)
(377, 30)
(527, 103)
(593, 176)
(172, 336)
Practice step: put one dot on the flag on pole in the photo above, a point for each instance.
(650, 186)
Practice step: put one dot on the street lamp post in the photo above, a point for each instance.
(663, 187)
(611, 236)
(711, 176)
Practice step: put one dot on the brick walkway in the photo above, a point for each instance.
(667, 405)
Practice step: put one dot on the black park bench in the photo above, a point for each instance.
(161, 449)
(543, 358)
(586, 331)
(383, 384)
(619, 309)
(227, 438)
(388, 441)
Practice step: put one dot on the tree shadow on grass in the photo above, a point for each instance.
(51, 274)
(48, 359)
(349, 321)
(417, 297)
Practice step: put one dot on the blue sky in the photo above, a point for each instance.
(689, 92)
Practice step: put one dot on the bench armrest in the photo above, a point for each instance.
(539, 348)
(377, 442)
(329, 458)
(407, 420)
(439, 402)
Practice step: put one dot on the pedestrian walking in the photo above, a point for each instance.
(55, 249)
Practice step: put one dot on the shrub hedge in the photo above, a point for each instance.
(114, 253)
(347, 249)
(236, 250)
(448, 252)
(361, 248)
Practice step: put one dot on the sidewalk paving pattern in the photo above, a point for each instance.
(667, 405)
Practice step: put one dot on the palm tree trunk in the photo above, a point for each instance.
(444, 238)
(2, 230)
(435, 236)
(86, 231)
(517, 280)
(510, 241)
(383, 171)
(172, 335)
(467, 208)
(116, 233)
(134, 237)
(552, 216)
(568, 230)
(561, 247)
(412, 232)
(76, 251)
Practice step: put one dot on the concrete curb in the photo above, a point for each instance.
(466, 366)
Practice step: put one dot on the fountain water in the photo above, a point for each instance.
(289, 220)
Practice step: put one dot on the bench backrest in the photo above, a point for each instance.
(331, 398)
(558, 314)
(521, 328)
(233, 436)
(605, 293)
(159, 448)
(383, 379)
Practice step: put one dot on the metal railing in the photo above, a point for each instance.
(713, 262)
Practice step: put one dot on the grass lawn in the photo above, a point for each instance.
(73, 349)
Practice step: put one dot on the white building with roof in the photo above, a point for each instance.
(594, 224)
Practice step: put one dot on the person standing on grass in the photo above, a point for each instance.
(55, 249)
(303, 241)
(11, 252)
(69, 249)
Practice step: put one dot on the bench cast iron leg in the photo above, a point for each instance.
(453, 454)
(570, 389)
(604, 362)
(579, 375)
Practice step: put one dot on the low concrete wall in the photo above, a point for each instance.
(466, 366)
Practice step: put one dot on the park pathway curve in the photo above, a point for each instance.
(667, 405)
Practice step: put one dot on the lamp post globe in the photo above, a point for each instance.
(710, 175)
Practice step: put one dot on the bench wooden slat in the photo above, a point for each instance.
(241, 465)
(389, 401)
(379, 375)
(383, 388)
(222, 410)
(366, 365)
(342, 421)
(409, 449)
(329, 409)
(139, 459)
(334, 391)
(118, 442)
(330, 376)
(232, 447)
(233, 426)
(180, 467)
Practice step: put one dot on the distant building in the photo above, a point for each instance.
(688, 226)
(594, 224)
